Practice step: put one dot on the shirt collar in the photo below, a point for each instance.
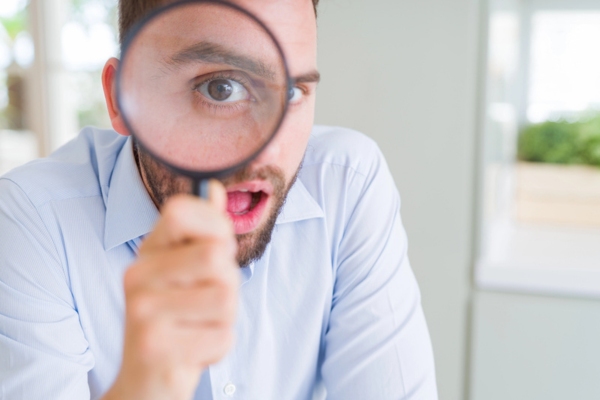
(299, 205)
(130, 212)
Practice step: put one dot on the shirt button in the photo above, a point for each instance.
(229, 389)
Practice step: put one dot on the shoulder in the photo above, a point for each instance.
(344, 169)
(343, 147)
(78, 169)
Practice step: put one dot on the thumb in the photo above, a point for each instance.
(217, 195)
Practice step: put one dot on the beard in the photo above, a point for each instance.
(162, 183)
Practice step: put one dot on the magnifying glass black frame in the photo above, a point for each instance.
(199, 178)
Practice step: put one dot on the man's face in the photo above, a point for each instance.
(257, 193)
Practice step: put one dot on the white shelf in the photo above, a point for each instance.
(523, 278)
(541, 259)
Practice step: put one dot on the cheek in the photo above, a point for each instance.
(294, 135)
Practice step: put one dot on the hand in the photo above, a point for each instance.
(181, 298)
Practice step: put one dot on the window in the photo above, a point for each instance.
(565, 77)
(540, 217)
(89, 38)
(17, 143)
(48, 95)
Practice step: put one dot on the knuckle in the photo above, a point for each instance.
(214, 254)
(175, 203)
(223, 227)
(176, 210)
(225, 286)
(222, 342)
(226, 302)
(132, 277)
(227, 320)
(221, 296)
(172, 216)
(226, 341)
(140, 306)
(148, 343)
(234, 275)
(230, 311)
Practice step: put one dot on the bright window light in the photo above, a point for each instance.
(8, 8)
(565, 64)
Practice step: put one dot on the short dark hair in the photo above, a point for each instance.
(131, 11)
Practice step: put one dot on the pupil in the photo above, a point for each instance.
(220, 89)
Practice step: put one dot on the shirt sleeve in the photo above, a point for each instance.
(43, 351)
(377, 344)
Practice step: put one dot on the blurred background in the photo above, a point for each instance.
(488, 112)
(51, 56)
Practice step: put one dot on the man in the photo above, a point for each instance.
(115, 284)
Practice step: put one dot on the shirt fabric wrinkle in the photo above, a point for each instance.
(88, 203)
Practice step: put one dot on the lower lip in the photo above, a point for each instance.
(246, 223)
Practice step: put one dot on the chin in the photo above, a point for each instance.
(252, 245)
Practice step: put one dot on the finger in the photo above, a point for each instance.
(217, 195)
(202, 347)
(176, 344)
(210, 305)
(218, 198)
(185, 265)
(206, 306)
(186, 218)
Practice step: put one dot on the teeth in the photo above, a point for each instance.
(244, 190)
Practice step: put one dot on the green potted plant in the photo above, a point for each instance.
(558, 175)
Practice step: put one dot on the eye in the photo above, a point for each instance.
(223, 90)
(295, 95)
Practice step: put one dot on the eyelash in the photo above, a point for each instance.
(223, 106)
(238, 105)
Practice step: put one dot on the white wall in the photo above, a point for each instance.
(535, 348)
(405, 72)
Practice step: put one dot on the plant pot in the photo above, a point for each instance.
(558, 194)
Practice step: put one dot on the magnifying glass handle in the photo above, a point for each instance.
(200, 188)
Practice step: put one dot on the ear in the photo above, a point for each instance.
(109, 84)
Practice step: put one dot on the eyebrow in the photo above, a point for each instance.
(214, 53)
(313, 76)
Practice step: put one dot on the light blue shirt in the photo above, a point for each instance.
(332, 310)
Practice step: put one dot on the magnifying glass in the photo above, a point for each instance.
(203, 87)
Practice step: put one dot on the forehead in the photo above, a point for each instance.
(293, 22)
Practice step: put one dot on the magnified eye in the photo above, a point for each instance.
(223, 90)
(295, 94)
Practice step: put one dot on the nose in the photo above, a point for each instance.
(270, 154)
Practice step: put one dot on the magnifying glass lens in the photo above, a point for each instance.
(203, 86)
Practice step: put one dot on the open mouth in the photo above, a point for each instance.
(245, 208)
(241, 202)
